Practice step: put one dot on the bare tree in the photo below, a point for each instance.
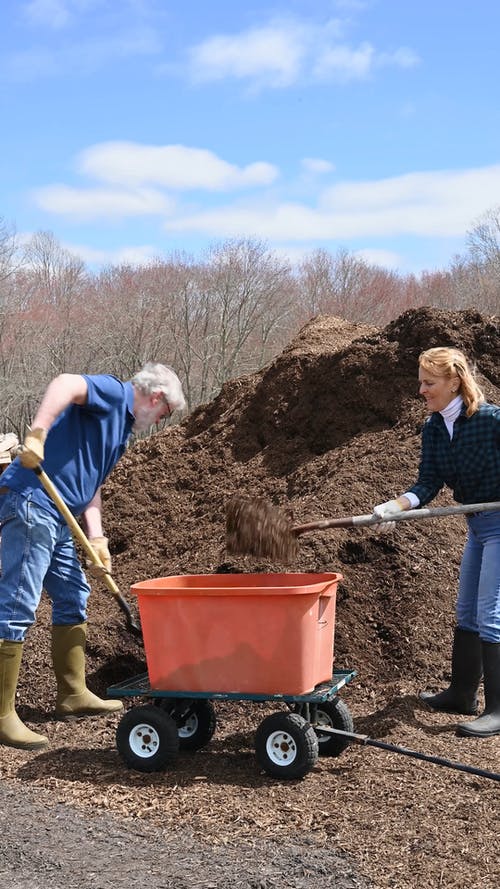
(248, 290)
(345, 285)
(8, 250)
(214, 319)
(58, 281)
(483, 241)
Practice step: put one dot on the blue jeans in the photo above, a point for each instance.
(37, 552)
(478, 603)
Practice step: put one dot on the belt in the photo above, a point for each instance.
(4, 490)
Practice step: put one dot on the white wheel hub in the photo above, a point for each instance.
(144, 740)
(190, 727)
(281, 748)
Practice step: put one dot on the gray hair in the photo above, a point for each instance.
(160, 378)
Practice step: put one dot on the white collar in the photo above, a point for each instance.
(452, 410)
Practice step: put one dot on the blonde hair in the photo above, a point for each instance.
(444, 361)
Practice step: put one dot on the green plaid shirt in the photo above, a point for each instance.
(469, 463)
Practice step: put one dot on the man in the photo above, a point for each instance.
(80, 431)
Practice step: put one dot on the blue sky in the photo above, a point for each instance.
(136, 128)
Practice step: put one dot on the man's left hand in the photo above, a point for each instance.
(100, 547)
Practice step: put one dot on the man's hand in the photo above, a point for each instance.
(32, 453)
(386, 511)
(100, 547)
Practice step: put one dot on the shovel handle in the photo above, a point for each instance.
(79, 534)
(405, 516)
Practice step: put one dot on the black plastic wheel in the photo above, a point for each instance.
(333, 714)
(147, 739)
(195, 719)
(286, 745)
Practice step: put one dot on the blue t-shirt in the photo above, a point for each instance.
(82, 447)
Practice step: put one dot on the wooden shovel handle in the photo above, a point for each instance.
(79, 534)
(405, 516)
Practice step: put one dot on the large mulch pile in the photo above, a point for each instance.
(330, 428)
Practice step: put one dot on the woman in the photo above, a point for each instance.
(461, 449)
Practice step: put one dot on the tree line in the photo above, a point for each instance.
(212, 318)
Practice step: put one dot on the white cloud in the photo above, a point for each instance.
(280, 222)
(172, 166)
(97, 203)
(435, 204)
(286, 51)
(452, 195)
(273, 52)
(317, 165)
(344, 63)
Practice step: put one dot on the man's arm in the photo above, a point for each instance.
(62, 391)
(92, 519)
(92, 516)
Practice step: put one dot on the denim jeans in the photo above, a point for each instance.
(478, 603)
(37, 552)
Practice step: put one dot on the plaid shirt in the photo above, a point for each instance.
(469, 463)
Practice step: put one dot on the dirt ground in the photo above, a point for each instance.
(330, 428)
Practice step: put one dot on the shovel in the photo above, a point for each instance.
(77, 532)
(256, 527)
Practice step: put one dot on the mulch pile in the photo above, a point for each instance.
(330, 428)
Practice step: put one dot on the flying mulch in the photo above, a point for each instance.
(254, 527)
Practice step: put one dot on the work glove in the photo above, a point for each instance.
(32, 452)
(385, 511)
(100, 547)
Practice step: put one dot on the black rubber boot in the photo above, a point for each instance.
(466, 670)
(489, 722)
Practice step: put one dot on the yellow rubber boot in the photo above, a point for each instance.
(68, 658)
(13, 732)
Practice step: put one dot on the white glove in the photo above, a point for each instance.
(385, 511)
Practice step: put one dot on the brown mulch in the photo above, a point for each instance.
(330, 428)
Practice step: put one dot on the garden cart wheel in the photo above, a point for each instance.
(196, 721)
(286, 745)
(333, 714)
(147, 739)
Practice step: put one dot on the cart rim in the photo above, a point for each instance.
(144, 740)
(189, 727)
(281, 748)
